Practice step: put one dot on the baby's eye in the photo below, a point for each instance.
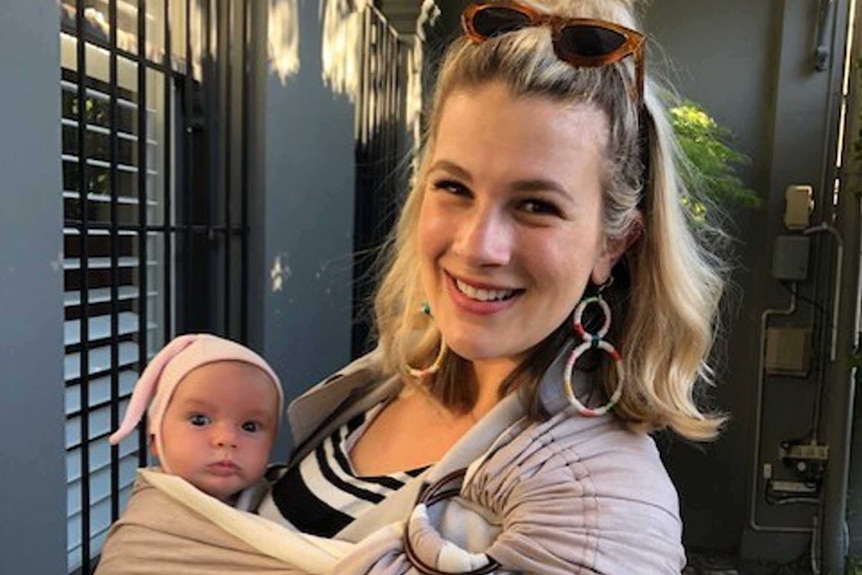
(251, 426)
(199, 419)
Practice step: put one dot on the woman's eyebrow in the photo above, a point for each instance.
(541, 185)
(451, 167)
(528, 185)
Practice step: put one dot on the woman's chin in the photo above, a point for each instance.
(483, 351)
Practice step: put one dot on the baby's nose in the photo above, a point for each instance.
(225, 436)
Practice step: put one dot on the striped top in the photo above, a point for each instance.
(323, 494)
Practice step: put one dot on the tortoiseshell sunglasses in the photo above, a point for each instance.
(579, 41)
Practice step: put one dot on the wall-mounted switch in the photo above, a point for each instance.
(793, 487)
(800, 203)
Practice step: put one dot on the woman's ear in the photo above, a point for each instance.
(614, 248)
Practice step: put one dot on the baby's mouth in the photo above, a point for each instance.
(224, 466)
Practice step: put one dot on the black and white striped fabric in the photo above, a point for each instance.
(323, 494)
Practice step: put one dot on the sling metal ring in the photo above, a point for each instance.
(446, 487)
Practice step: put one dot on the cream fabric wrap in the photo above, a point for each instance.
(171, 527)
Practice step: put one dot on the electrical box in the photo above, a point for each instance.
(790, 258)
(799, 204)
(788, 351)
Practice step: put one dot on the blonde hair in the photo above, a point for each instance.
(667, 287)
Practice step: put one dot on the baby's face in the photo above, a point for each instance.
(219, 427)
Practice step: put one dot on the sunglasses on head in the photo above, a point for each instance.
(579, 41)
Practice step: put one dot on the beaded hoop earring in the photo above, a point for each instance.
(593, 341)
(434, 367)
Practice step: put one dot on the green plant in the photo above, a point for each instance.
(712, 162)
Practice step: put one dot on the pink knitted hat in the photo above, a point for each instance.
(168, 368)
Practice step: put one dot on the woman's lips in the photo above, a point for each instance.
(483, 293)
(481, 299)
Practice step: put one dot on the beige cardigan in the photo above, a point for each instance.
(569, 495)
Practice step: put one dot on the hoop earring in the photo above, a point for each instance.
(434, 367)
(593, 341)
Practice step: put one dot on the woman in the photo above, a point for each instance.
(544, 308)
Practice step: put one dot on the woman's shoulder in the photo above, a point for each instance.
(587, 489)
(619, 456)
(601, 455)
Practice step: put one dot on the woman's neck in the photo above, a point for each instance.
(489, 376)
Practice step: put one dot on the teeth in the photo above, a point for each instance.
(483, 294)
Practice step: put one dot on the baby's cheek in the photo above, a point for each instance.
(260, 460)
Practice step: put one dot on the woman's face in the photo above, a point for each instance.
(510, 227)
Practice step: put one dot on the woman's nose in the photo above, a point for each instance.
(484, 237)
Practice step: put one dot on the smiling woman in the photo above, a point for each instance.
(547, 191)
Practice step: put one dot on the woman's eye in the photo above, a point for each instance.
(251, 426)
(198, 419)
(540, 207)
(451, 186)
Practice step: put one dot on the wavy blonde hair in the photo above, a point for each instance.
(667, 287)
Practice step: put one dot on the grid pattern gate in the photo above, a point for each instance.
(154, 217)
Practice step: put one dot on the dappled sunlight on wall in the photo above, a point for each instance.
(427, 17)
(283, 33)
(341, 50)
(279, 272)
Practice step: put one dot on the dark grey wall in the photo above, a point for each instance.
(304, 202)
(722, 61)
(32, 462)
(750, 64)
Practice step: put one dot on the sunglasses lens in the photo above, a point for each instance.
(493, 21)
(588, 41)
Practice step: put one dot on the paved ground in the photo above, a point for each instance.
(703, 564)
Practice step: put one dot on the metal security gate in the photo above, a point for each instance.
(155, 234)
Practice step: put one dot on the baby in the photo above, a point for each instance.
(214, 410)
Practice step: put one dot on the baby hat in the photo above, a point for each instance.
(168, 368)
